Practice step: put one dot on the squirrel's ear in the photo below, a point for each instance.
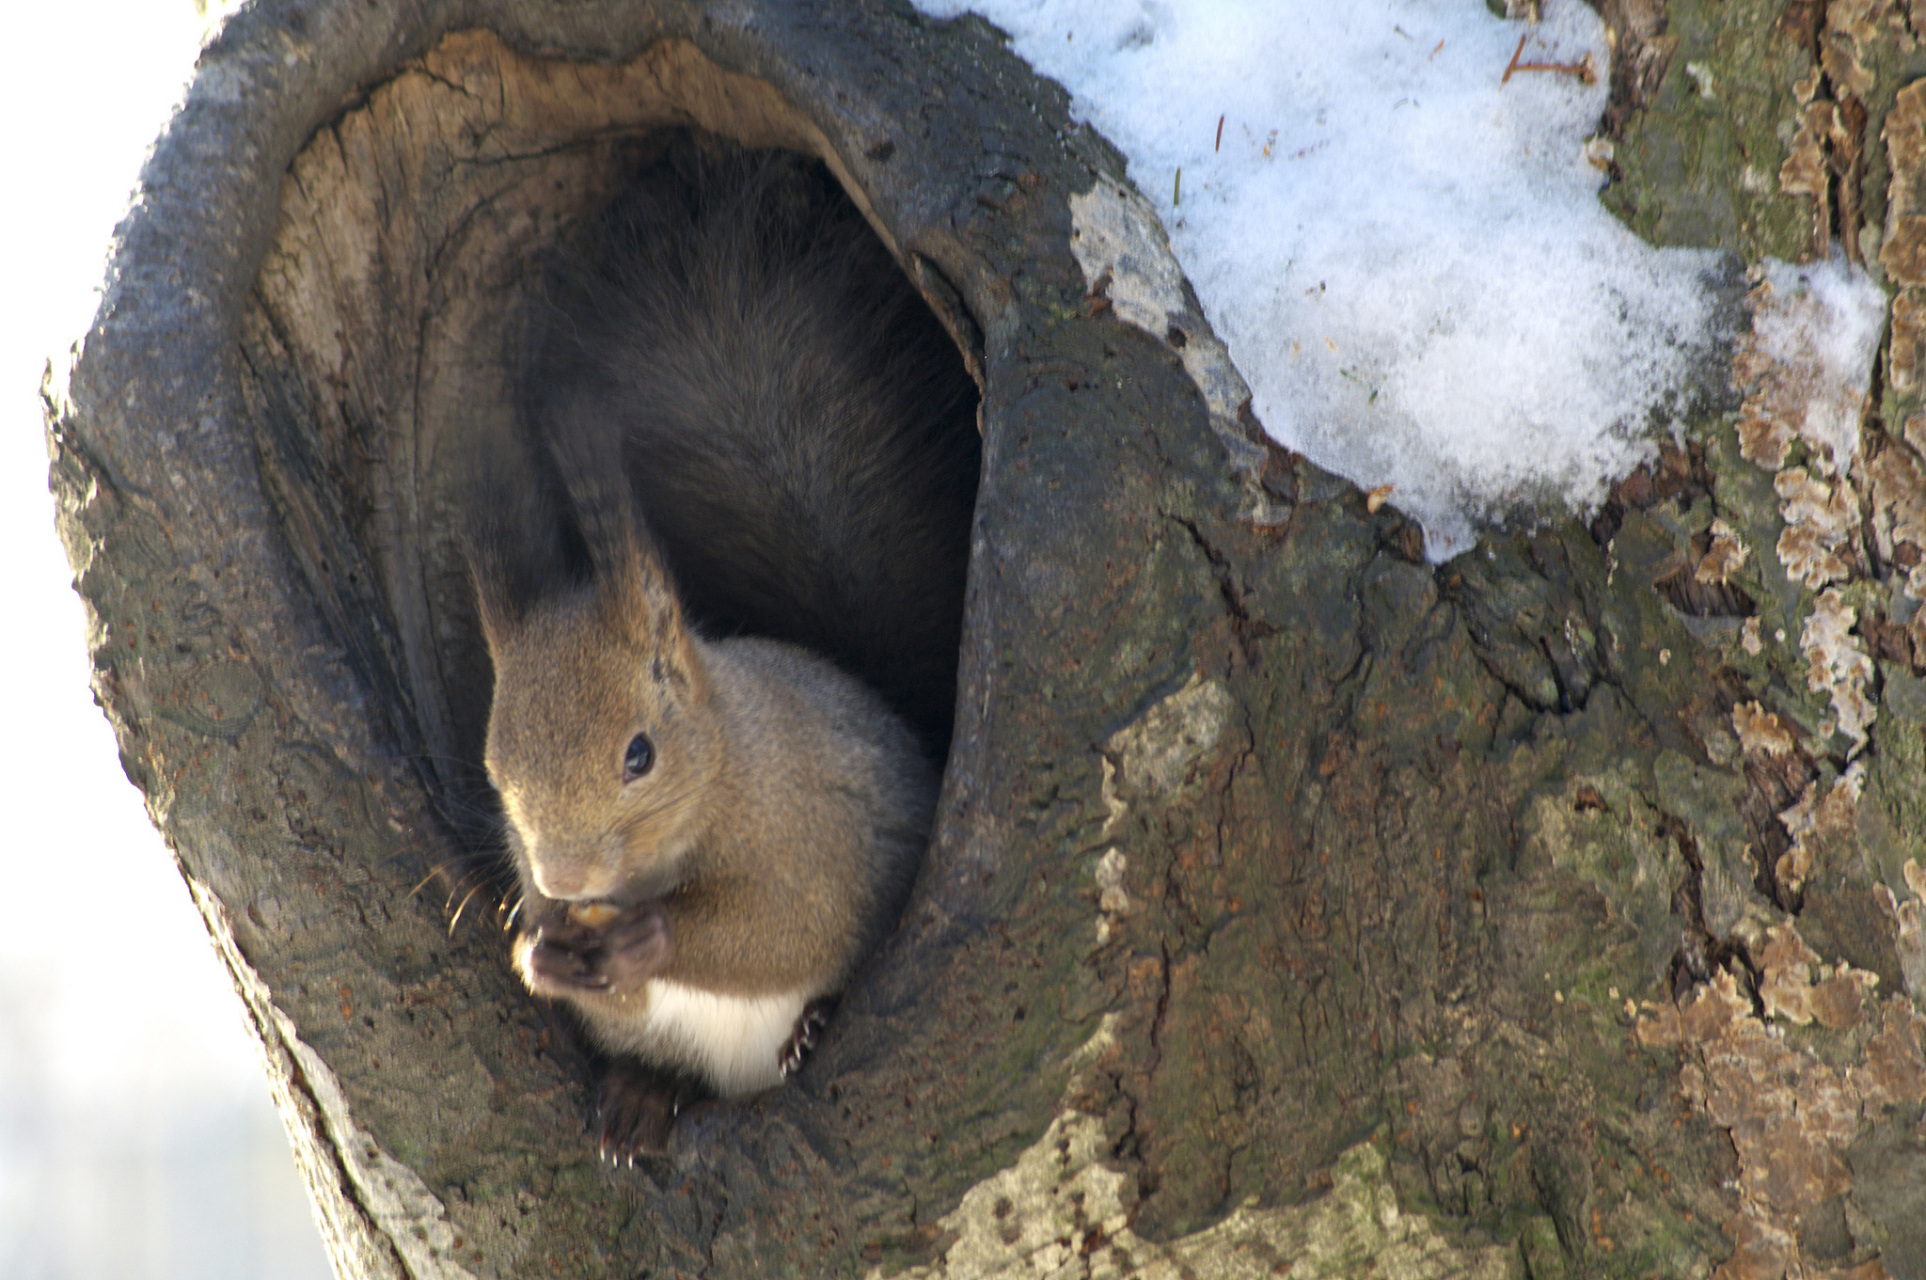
(631, 578)
(643, 604)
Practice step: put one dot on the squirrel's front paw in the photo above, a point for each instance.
(635, 946)
(564, 956)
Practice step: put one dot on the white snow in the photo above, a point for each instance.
(1821, 326)
(1405, 256)
(137, 1138)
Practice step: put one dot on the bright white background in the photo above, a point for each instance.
(136, 1135)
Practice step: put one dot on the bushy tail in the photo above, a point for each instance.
(797, 428)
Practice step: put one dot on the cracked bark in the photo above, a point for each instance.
(1290, 899)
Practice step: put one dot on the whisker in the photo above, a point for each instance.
(463, 907)
(470, 876)
(433, 872)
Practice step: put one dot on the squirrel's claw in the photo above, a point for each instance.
(809, 1027)
(635, 1113)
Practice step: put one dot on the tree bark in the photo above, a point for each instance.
(1292, 903)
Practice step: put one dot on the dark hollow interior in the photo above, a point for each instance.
(797, 429)
(385, 343)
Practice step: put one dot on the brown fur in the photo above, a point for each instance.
(744, 389)
(779, 825)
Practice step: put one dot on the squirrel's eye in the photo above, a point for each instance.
(638, 758)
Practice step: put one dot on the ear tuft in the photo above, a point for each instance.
(516, 535)
(630, 578)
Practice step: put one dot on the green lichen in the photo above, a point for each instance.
(1599, 827)
(1700, 164)
(1892, 809)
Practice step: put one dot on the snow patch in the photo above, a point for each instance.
(1815, 331)
(1405, 257)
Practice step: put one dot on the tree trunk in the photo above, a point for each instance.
(1292, 903)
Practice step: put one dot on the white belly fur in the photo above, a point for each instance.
(731, 1041)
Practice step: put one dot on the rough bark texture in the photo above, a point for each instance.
(1293, 903)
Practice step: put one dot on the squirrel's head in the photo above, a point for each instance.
(601, 739)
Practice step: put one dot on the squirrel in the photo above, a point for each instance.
(743, 478)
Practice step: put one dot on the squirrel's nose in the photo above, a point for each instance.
(570, 880)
